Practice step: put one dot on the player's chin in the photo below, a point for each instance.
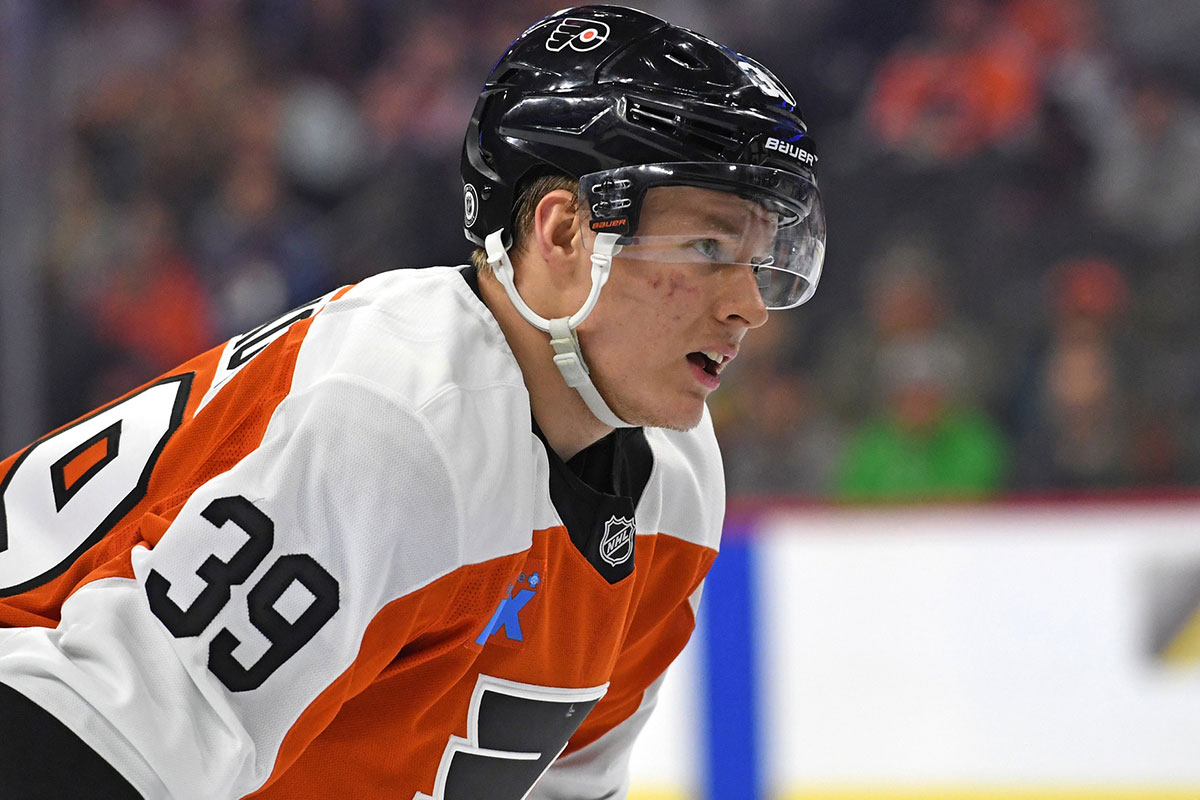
(680, 416)
(679, 407)
(683, 425)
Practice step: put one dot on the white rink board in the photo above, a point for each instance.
(665, 763)
(983, 646)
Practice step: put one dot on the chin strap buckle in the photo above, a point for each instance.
(566, 352)
(569, 360)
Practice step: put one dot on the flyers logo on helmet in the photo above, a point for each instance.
(580, 35)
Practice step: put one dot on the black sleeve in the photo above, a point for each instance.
(41, 759)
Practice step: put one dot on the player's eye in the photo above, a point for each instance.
(709, 248)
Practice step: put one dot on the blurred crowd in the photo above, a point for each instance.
(1013, 191)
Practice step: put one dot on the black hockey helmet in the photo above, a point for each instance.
(594, 88)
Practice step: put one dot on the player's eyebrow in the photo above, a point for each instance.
(722, 223)
(738, 223)
(718, 220)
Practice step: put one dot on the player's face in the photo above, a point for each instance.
(677, 305)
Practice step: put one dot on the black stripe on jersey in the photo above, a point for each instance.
(471, 276)
(601, 485)
(41, 759)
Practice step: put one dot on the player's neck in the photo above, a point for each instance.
(560, 412)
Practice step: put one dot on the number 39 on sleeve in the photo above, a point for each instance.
(286, 636)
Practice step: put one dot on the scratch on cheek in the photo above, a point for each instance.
(679, 285)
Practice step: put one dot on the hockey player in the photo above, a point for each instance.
(438, 534)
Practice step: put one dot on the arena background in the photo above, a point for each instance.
(963, 558)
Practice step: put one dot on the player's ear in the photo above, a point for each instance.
(556, 236)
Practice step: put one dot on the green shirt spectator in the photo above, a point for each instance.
(962, 455)
(924, 444)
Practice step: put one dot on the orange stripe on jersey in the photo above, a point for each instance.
(411, 686)
(413, 662)
(656, 632)
(78, 468)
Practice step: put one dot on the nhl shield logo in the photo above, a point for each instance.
(616, 546)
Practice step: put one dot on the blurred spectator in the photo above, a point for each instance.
(145, 310)
(1057, 29)
(1074, 427)
(908, 298)
(1081, 436)
(912, 380)
(965, 85)
(925, 443)
(261, 252)
(339, 40)
(1146, 160)
(1143, 132)
(104, 46)
(415, 104)
(1165, 327)
(154, 306)
(198, 113)
(83, 237)
(1161, 32)
(322, 141)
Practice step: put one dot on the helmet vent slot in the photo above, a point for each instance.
(695, 132)
(685, 56)
(653, 118)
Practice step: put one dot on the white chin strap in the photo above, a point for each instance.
(567, 355)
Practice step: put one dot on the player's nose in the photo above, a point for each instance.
(739, 300)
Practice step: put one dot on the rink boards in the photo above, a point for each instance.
(1035, 650)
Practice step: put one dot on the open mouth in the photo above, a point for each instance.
(707, 362)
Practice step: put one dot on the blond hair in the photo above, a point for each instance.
(526, 203)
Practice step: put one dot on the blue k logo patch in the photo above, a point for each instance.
(507, 617)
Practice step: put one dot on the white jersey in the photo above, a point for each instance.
(335, 558)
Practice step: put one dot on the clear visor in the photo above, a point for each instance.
(766, 219)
